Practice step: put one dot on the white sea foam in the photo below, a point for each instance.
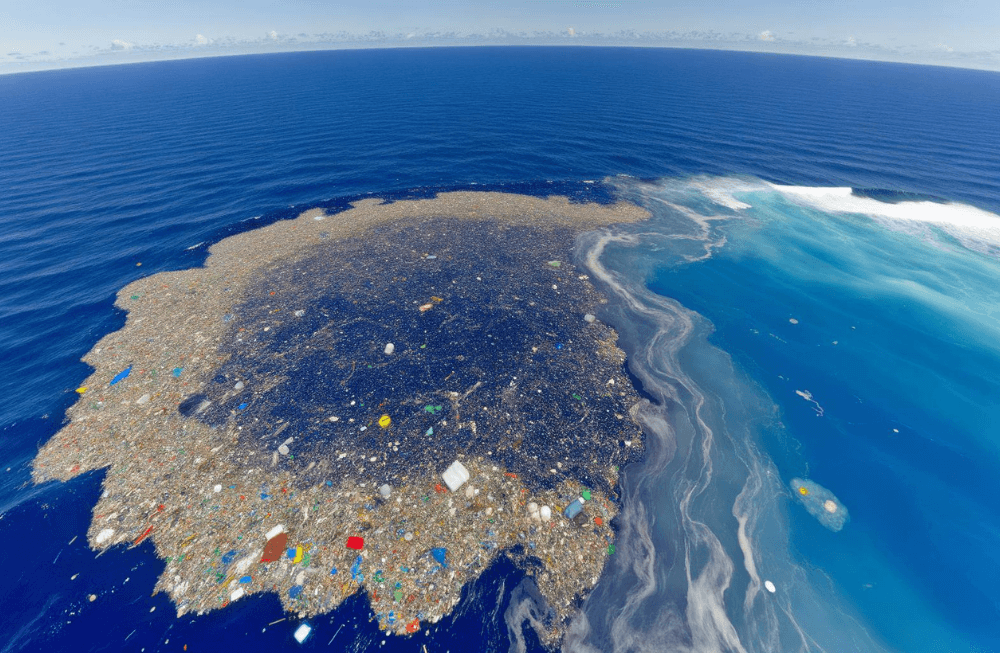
(972, 226)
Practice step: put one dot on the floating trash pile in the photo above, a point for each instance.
(821, 503)
(382, 400)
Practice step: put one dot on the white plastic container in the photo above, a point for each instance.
(302, 633)
(455, 476)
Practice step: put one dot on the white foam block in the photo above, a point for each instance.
(277, 530)
(302, 632)
(455, 476)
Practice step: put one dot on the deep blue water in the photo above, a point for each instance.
(103, 169)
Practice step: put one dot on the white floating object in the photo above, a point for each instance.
(769, 586)
(589, 318)
(302, 632)
(283, 450)
(217, 489)
(455, 476)
(239, 385)
(274, 532)
(793, 320)
(389, 348)
(299, 313)
(104, 535)
(545, 513)
(237, 594)
(144, 399)
(385, 491)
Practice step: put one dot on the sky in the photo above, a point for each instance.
(40, 34)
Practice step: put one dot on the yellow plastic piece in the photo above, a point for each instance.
(81, 389)
(298, 555)
(384, 421)
(803, 491)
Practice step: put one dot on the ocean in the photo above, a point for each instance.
(813, 299)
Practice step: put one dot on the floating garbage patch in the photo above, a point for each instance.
(821, 503)
(367, 404)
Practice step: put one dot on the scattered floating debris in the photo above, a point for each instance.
(820, 503)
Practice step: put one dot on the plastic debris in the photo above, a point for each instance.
(455, 476)
(274, 548)
(81, 389)
(302, 633)
(104, 535)
(384, 421)
(121, 376)
(389, 348)
(574, 508)
(439, 553)
(769, 586)
(589, 317)
(355, 542)
(820, 503)
(237, 594)
(385, 491)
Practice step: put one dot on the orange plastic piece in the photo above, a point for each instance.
(413, 626)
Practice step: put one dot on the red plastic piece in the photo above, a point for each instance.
(355, 543)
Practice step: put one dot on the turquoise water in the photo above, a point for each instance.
(876, 337)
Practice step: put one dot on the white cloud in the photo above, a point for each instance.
(851, 41)
(200, 39)
(272, 35)
(571, 31)
(119, 44)
(766, 35)
(945, 48)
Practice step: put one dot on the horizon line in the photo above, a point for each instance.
(103, 59)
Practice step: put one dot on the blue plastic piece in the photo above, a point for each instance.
(573, 509)
(242, 406)
(291, 554)
(333, 571)
(226, 559)
(121, 375)
(439, 554)
(294, 591)
(355, 568)
(245, 580)
(178, 370)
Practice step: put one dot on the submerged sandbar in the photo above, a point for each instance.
(279, 420)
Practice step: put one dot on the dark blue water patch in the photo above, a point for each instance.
(489, 360)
